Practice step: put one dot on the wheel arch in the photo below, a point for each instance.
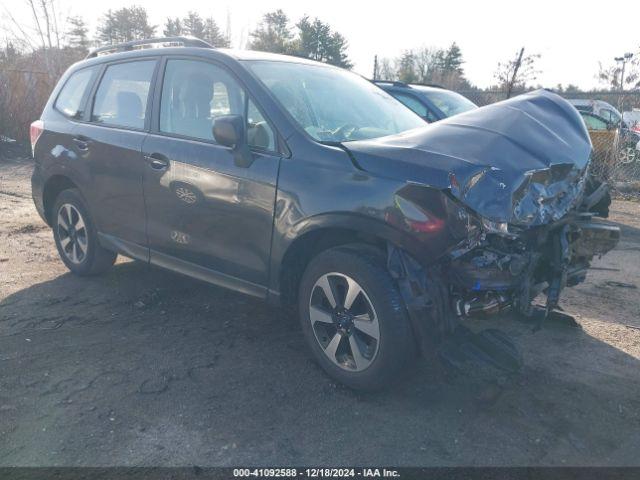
(322, 233)
(53, 186)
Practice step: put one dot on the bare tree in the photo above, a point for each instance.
(517, 72)
(621, 76)
(386, 70)
(44, 28)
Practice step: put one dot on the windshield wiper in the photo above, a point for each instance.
(342, 146)
(332, 143)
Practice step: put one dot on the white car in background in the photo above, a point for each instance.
(597, 107)
(632, 119)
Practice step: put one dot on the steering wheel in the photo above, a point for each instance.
(345, 131)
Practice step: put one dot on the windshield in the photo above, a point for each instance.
(450, 103)
(334, 105)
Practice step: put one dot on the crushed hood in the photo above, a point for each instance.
(520, 161)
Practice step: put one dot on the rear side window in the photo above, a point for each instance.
(121, 99)
(70, 99)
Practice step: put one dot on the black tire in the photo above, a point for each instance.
(396, 347)
(96, 259)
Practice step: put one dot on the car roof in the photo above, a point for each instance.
(117, 53)
(243, 55)
(590, 102)
(408, 86)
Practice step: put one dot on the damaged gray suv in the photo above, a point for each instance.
(310, 187)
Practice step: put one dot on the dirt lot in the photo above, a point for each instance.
(145, 367)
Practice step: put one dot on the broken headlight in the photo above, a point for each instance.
(499, 228)
(463, 223)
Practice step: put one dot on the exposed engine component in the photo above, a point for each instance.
(510, 272)
(486, 303)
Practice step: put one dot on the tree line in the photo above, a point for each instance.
(36, 53)
(308, 37)
(313, 38)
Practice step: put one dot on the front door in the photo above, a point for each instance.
(206, 215)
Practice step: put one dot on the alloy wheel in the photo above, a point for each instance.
(344, 321)
(627, 155)
(72, 233)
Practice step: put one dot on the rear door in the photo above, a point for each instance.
(68, 110)
(111, 145)
(206, 215)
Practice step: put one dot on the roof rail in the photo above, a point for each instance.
(127, 46)
(395, 83)
(432, 85)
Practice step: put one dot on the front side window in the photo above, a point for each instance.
(334, 105)
(259, 133)
(610, 116)
(121, 99)
(71, 96)
(194, 93)
(593, 122)
(414, 104)
(450, 103)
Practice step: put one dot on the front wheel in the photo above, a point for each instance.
(76, 237)
(354, 319)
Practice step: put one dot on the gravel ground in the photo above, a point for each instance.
(146, 367)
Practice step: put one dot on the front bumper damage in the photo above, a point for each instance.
(495, 273)
(503, 273)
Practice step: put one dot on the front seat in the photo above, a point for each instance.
(196, 96)
(129, 110)
(258, 135)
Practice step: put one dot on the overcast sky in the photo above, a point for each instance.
(572, 37)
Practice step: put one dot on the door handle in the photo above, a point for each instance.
(157, 161)
(82, 143)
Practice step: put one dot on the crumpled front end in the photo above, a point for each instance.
(509, 271)
(494, 270)
(502, 208)
(523, 161)
(538, 197)
(517, 210)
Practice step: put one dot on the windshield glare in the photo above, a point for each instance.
(450, 103)
(334, 105)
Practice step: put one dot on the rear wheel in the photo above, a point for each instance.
(354, 319)
(76, 237)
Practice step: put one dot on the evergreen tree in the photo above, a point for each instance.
(214, 35)
(407, 67)
(273, 34)
(452, 59)
(77, 33)
(193, 25)
(172, 27)
(317, 42)
(125, 24)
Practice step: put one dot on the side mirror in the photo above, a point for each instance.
(228, 130)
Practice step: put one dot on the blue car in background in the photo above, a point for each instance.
(431, 102)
